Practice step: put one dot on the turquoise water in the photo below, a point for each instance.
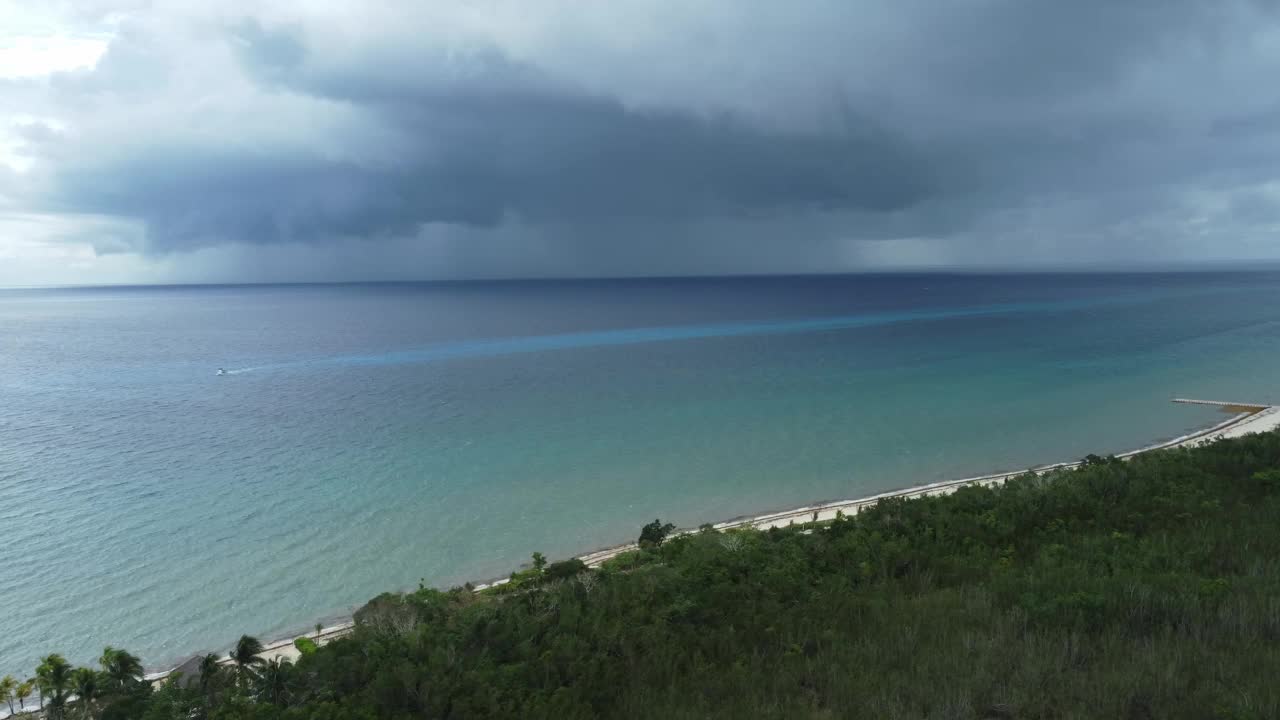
(368, 436)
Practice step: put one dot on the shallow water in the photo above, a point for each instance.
(368, 436)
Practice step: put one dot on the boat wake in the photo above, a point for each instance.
(636, 336)
(235, 371)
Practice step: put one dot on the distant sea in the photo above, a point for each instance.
(369, 436)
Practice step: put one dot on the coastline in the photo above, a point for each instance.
(1247, 418)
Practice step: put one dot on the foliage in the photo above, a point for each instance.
(87, 684)
(273, 682)
(305, 645)
(245, 653)
(245, 657)
(564, 569)
(121, 668)
(53, 677)
(210, 671)
(653, 534)
(1144, 588)
(23, 691)
(8, 691)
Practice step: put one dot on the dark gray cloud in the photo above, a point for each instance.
(480, 159)
(913, 124)
(494, 141)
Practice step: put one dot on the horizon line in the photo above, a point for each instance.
(1256, 267)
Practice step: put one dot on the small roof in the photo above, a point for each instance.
(190, 669)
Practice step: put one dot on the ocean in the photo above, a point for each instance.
(368, 437)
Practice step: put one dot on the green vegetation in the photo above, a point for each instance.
(8, 691)
(1140, 589)
(120, 669)
(53, 677)
(653, 534)
(87, 686)
(305, 645)
(245, 657)
(115, 691)
(23, 691)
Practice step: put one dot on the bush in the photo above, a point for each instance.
(564, 569)
(653, 534)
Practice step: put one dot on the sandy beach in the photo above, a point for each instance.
(1251, 418)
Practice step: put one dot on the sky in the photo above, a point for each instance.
(252, 141)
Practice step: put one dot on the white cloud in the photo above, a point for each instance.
(34, 56)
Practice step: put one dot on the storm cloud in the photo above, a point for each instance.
(548, 137)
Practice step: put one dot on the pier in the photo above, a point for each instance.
(1226, 406)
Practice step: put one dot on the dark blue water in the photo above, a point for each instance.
(367, 436)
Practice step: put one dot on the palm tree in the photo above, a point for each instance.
(8, 686)
(245, 656)
(210, 669)
(273, 681)
(121, 667)
(87, 684)
(53, 677)
(22, 692)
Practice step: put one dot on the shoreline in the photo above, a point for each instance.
(1247, 418)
